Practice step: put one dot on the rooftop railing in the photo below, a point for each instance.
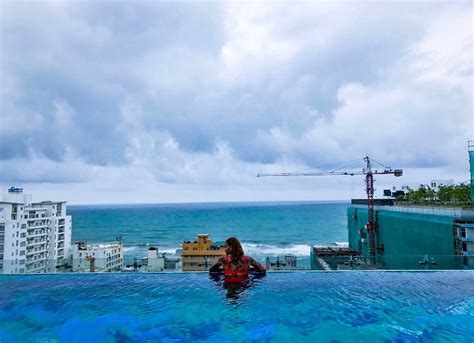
(439, 211)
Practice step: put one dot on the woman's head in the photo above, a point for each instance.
(233, 247)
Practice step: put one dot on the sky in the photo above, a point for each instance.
(157, 102)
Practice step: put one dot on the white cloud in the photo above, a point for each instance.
(208, 100)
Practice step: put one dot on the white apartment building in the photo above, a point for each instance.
(34, 237)
(97, 258)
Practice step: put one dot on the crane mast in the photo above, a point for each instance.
(369, 190)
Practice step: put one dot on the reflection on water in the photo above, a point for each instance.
(234, 290)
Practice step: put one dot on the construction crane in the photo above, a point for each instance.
(369, 189)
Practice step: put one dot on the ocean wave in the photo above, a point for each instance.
(130, 248)
(250, 249)
(272, 250)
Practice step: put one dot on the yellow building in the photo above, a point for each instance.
(201, 254)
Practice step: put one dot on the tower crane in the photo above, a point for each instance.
(369, 189)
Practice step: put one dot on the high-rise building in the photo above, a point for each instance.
(34, 237)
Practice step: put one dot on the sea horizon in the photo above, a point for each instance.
(264, 228)
(238, 202)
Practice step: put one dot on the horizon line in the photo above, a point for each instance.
(212, 202)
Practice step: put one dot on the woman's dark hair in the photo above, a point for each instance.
(237, 251)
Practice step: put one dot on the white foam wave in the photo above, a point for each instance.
(170, 251)
(129, 249)
(249, 249)
(340, 244)
(143, 248)
(272, 250)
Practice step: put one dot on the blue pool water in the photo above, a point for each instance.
(286, 307)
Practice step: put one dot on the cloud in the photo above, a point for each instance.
(210, 94)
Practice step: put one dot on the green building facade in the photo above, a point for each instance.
(408, 238)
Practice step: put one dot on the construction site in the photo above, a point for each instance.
(385, 235)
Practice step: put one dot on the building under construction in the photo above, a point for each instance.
(382, 235)
(416, 237)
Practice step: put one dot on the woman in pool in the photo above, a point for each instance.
(235, 264)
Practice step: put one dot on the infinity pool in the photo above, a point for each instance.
(285, 307)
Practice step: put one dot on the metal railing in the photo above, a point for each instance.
(440, 211)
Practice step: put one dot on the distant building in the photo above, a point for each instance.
(464, 244)
(435, 184)
(34, 237)
(155, 263)
(173, 263)
(333, 257)
(97, 258)
(201, 254)
(288, 262)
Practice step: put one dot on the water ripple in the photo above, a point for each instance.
(283, 306)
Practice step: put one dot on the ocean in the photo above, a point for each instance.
(265, 229)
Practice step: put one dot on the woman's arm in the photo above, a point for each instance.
(216, 268)
(256, 265)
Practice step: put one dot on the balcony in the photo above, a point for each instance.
(37, 225)
(36, 268)
(35, 251)
(39, 242)
(37, 234)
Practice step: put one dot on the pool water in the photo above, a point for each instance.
(281, 307)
